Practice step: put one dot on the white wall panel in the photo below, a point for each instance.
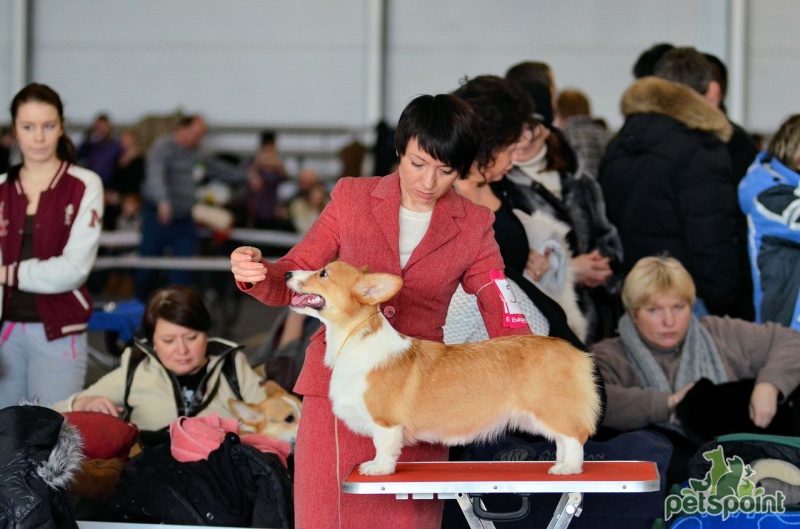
(774, 73)
(245, 62)
(589, 45)
(254, 62)
(5, 60)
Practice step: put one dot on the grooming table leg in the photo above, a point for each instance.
(569, 506)
(465, 502)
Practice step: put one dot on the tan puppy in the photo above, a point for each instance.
(276, 416)
(400, 390)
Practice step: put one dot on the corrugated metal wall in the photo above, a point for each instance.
(255, 62)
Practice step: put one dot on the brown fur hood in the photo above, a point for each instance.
(659, 96)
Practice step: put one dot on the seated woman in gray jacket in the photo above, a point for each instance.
(663, 352)
(177, 370)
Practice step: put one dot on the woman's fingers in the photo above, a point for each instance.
(246, 265)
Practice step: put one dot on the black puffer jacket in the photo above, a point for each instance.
(237, 486)
(667, 183)
(39, 453)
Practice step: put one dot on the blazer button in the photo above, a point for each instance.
(389, 311)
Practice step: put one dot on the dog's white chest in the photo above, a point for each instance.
(351, 363)
(347, 397)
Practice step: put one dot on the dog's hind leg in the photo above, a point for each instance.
(388, 443)
(559, 449)
(569, 456)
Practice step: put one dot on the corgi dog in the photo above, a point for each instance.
(276, 416)
(400, 390)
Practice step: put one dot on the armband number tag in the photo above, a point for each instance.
(512, 312)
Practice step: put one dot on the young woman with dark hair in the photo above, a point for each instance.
(50, 221)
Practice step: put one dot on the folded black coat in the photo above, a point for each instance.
(709, 410)
(237, 486)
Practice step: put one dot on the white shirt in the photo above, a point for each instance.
(413, 226)
(535, 169)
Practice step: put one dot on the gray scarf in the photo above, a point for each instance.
(699, 358)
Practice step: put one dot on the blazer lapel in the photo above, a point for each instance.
(442, 228)
(386, 213)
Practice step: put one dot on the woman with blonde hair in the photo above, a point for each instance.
(663, 351)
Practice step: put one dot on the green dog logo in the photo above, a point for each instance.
(726, 488)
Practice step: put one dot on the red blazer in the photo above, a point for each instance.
(361, 226)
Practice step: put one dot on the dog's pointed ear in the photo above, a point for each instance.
(245, 412)
(272, 388)
(372, 289)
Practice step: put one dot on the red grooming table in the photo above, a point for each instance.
(467, 481)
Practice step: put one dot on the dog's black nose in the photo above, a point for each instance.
(287, 276)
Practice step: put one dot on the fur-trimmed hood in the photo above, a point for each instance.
(39, 454)
(43, 438)
(659, 96)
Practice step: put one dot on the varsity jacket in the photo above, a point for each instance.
(66, 237)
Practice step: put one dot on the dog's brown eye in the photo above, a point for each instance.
(323, 273)
(289, 419)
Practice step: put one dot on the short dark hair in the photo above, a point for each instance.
(541, 99)
(444, 126)
(176, 304)
(267, 137)
(186, 121)
(686, 66)
(531, 71)
(646, 62)
(719, 73)
(503, 110)
(41, 93)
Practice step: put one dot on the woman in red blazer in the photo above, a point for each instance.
(372, 222)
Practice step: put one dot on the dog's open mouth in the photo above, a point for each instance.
(313, 301)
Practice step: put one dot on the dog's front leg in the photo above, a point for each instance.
(388, 443)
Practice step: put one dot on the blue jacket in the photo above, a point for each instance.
(769, 195)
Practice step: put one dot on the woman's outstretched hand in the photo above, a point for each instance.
(246, 265)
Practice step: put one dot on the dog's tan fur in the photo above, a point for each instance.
(276, 416)
(401, 390)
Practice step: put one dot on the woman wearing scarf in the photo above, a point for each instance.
(663, 351)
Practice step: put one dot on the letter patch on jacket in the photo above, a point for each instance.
(512, 313)
(95, 220)
(69, 212)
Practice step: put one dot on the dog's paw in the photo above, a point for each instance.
(376, 468)
(564, 469)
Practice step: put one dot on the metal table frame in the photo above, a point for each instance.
(467, 481)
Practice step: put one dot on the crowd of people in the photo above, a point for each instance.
(665, 248)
